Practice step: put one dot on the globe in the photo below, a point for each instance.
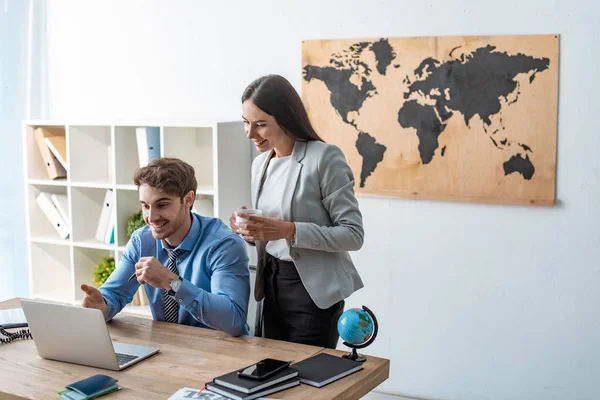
(358, 328)
(355, 326)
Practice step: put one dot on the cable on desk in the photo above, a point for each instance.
(22, 334)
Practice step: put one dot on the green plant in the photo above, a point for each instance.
(135, 222)
(103, 270)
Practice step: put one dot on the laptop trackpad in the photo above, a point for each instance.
(133, 350)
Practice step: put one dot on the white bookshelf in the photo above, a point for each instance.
(104, 156)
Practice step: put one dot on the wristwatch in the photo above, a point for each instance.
(175, 284)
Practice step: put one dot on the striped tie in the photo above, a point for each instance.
(171, 306)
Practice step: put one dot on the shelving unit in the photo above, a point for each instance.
(104, 156)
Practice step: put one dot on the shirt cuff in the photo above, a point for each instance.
(295, 239)
(110, 311)
(187, 290)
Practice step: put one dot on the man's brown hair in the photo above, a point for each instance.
(169, 175)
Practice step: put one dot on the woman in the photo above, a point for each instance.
(310, 218)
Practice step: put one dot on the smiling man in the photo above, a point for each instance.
(194, 269)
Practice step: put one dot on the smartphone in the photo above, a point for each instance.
(263, 369)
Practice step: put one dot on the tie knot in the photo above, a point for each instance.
(174, 254)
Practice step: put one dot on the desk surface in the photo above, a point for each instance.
(188, 357)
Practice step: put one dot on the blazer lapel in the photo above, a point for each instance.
(290, 184)
(258, 182)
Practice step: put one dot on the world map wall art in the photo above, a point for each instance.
(447, 118)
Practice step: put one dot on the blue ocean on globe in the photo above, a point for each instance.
(355, 326)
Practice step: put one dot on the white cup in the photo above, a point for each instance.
(247, 211)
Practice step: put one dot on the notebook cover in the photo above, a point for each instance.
(72, 395)
(324, 368)
(236, 395)
(12, 318)
(92, 385)
(245, 385)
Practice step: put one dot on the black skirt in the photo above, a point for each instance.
(290, 314)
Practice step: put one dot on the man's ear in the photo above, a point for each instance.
(188, 199)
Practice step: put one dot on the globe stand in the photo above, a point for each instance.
(354, 355)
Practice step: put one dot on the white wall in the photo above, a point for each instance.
(474, 301)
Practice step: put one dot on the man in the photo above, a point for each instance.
(195, 270)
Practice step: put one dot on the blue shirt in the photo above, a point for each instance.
(216, 280)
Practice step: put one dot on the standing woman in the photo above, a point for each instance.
(310, 218)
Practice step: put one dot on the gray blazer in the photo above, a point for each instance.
(319, 198)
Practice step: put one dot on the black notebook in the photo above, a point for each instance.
(245, 385)
(13, 318)
(324, 368)
(237, 395)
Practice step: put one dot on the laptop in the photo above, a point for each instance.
(78, 335)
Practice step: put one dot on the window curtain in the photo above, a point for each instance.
(23, 96)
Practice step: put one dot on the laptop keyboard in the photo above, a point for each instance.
(124, 358)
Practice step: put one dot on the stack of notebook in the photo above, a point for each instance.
(238, 388)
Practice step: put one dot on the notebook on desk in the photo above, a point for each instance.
(245, 385)
(237, 395)
(324, 368)
(12, 318)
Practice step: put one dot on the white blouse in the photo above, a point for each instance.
(269, 201)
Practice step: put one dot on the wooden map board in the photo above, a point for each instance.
(448, 118)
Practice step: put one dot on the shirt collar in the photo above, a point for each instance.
(190, 240)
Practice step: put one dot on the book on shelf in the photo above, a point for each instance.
(58, 147)
(148, 144)
(237, 395)
(109, 237)
(51, 163)
(323, 368)
(44, 201)
(61, 203)
(106, 215)
(232, 381)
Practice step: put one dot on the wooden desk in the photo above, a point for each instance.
(188, 357)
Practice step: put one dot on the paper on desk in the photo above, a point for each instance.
(189, 393)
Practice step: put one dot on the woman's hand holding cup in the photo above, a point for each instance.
(241, 216)
(232, 219)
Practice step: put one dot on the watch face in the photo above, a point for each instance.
(175, 283)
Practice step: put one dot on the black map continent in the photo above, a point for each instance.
(519, 164)
(372, 154)
(346, 97)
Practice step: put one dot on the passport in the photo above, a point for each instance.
(94, 385)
